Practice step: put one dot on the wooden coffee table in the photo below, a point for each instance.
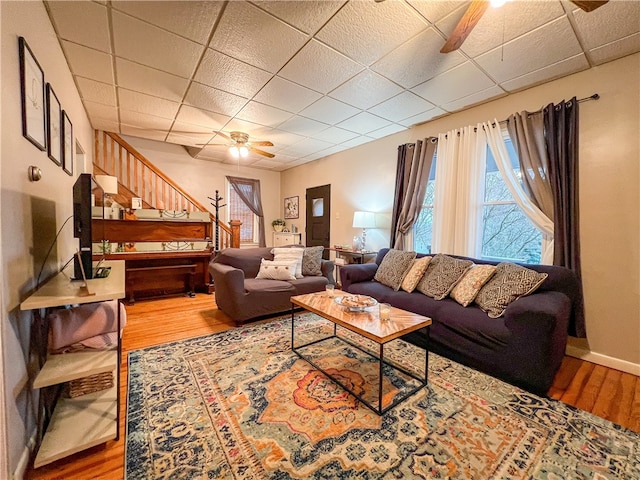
(368, 325)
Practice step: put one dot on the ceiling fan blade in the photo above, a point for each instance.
(469, 20)
(589, 5)
(265, 143)
(224, 135)
(203, 145)
(262, 152)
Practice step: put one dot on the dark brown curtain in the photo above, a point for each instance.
(403, 171)
(561, 136)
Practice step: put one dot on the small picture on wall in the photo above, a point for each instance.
(54, 141)
(291, 207)
(67, 150)
(32, 93)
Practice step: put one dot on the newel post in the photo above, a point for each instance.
(235, 233)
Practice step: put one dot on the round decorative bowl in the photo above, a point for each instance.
(356, 303)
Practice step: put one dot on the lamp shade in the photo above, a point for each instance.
(364, 220)
(108, 184)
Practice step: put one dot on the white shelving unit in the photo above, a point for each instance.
(280, 239)
(91, 419)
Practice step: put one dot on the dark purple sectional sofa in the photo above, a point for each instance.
(524, 347)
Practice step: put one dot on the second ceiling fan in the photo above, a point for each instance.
(478, 7)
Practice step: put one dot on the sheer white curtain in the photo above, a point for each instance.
(460, 162)
(537, 217)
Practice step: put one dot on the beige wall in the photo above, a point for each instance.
(201, 178)
(363, 177)
(31, 212)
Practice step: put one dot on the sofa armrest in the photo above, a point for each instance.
(354, 273)
(227, 281)
(327, 267)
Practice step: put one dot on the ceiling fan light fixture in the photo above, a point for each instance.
(235, 152)
(244, 151)
(497, 3)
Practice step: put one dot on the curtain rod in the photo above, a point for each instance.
(595, 96)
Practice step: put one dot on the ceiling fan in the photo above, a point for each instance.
(478, 7)
(240, 146)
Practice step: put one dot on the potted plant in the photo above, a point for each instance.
(278, 224)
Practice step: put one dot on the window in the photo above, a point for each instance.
(238, 210)
(507, 233)
(423, 227)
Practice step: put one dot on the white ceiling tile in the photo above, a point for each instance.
(475, 98)
(560, 69)
(335, 135)
(418, 60)
(106, 125)
(154, 47)
(364, 122)
(386, 131)
(204, 118)
(212, 155)
(422, 117)
(89, 63)
(265, 163)
(319, 67)
(282, 139)
(92, 31)
(328, 110)
(140, 102)
(356, 141)
(401, 106)
(503, 24)
(263, 114)
(617, 49)
(456, 83)
(366, 90)
(96, 91)
(215, 100)
(144, 121)
(365, 31)
(328, 151)
(188, 134)
(286, 95)
(306, 147)
(608, 23)
(435, 11)
(193, 20)
(307, 16)
(148, 80)
(268, 46)
(544, 46)
(101, 111)
(143, 133)
(229, 74)
(302, 126)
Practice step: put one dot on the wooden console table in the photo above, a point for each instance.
(88, 420)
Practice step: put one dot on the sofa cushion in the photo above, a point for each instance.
(312, 261)
(286, 254)
(509, 283)
(415, 273)
(394, 267)
(277, 270)
(470, 284)
(442, 275)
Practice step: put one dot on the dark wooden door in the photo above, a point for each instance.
(318, 223)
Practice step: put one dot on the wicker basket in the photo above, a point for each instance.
(94, 383)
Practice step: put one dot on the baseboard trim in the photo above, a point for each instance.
(604, 360)
(23, 463)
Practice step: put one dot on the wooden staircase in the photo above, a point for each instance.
(138, 177)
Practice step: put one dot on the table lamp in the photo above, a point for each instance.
(364, 220)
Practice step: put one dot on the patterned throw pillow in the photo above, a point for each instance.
(312, 261)
(411, 279)
(470, 284)
(286, 254)
(394, 267)
(275, 270)
(509, 283)
(442, 275)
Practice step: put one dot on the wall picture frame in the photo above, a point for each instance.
(67, 141)
(32, 93)
(291, 207)
(54, 126)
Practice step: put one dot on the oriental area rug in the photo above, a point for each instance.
(242, 405)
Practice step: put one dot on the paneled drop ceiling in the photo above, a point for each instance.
(316, 77)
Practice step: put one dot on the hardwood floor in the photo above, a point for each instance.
(605, 392)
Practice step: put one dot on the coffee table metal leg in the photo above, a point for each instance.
(381, 363)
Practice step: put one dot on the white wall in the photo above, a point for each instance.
(201, 178)
(363, 178)
(31, 212)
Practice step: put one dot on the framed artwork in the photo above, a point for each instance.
(67, 149)
(54, 139)
(32, 95)
(291, 207)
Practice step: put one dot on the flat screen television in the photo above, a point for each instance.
(86, 194)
